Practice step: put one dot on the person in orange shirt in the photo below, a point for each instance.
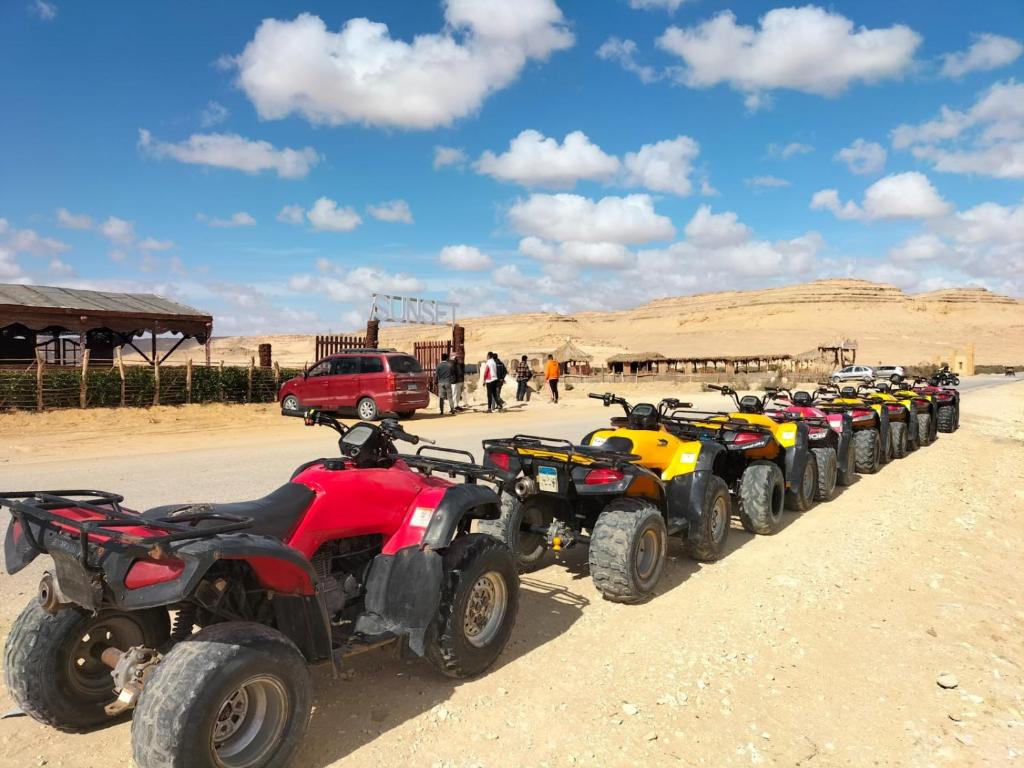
(551, 371)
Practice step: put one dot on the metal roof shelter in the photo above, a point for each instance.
(101, 320)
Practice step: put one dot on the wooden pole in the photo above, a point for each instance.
(252, 367)
(83, 388)
(188, 381)
(277, 373)
(156, 376)
(120, 368)
(40, 364)
(221, 381)
(153, 336)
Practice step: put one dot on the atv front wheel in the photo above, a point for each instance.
(52, 660)
(233, 695)
(827, 472)
(802, 497)
(848, 473)
(479, 601)
(707, 543)
(924, 429)
(867, 447)
(947, 418)
(527, 547)
(762, 493)
(628, 547)
(898, 439)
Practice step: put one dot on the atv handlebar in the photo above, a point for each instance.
(392, 429)
(610, 398)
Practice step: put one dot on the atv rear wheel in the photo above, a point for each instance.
(707, 543)
(828, 472)
(912, 437)
(947, 418)
(924, 429)
(761, 497)
(52, 660)
(628, 548)
(528, 548)
(801, 498)
(477, 610)
(233, 695)
(898, 439)
(867, 447)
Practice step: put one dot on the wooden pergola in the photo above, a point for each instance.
(573, 360)
(730, 363)
(636, 362)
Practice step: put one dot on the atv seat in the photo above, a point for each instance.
(274, 515)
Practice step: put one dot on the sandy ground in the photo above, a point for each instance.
(819, 646)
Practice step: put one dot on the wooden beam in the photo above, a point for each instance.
(171, 350)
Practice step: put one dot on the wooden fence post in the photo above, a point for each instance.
(84, 387)
(221, 390)
(252, 367)
(156, 381)
(188, 381)
(277, 375)
(40, 364)
(120, 369)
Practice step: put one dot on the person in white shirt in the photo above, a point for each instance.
(490, 376)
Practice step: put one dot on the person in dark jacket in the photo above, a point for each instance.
(523, 375)
(502, 372)
(458, 380)
(444, 384)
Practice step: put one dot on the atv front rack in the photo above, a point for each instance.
(38, 510)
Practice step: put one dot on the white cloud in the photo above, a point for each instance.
(229, 150)
(565, 217)
(927, 247)
(707, 190)
(237, 219)
(897, 196)
(292, 214)
(576, 253)
(986, 52)
(213, 114)
(987, 139)
(43, 10)
(29, 241)
(464, 257)
(786, 151)
(509, 276)
(361, 74)
(624, 52)
(767, 181)
(353, 285)
(70, 220)
(863, 157)
(326, 216)
(60, 268)
(445, 156)
(805, 49)
(664, 166)
(651, 5)
(118, 230)
(716, 230)
(152, 244)
(10, 270)
(392, 210)
(533, 159)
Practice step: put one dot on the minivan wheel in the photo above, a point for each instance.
(290, 403)
(367, 409)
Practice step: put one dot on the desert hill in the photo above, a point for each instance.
(889, 325)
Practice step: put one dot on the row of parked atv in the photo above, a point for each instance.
(204, 621)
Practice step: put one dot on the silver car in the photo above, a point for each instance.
(891, 372)
(854, 373)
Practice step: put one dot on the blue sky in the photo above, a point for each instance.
(276, 163)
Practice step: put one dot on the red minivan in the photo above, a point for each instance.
(371, 382)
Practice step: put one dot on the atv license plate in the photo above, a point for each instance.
(547, 479)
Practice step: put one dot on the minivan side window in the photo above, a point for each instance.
(345, 366)
(320, 369)
(404, 364)
(372, 365)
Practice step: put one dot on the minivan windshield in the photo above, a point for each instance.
(404, 364)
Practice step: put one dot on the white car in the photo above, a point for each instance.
(854, 373)
(893, 373)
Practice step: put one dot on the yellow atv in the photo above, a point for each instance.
(900, 417)
(918, 410)
(871, 432)
(926, 425)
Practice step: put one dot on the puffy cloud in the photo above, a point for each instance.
(986, 139)
(292, 214)
(576, 253)
(863, 157)
(786, 151)
(927, 247)
(509, 276)
(464, 257)
(214, 113)
(986, 52)
(15, 241)
(361, 74)
(326, 216)
(353, 285)
(533, 159)
(897, 196)
(43, 10)
(565, 217)
(445, 156)
(10, 269)
(624, 52)
(60, 268)
(118, 230)
(229, 150)
(664, 166)
(237, 219)
(152, 244)
(392, 210)
(70, 220)
(766, 181)
(651, 5)
(715, 230)
(805, 49)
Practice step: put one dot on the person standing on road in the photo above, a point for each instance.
(490, 377)
(458, 380)
(444, 384)
(523, 375)
(501, 371)
(551, 372)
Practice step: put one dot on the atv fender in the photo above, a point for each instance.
(845, 444)
(685, 497)
(461, 502)
(797, 456)
(403, 592)
(883, 429)
(18, 552)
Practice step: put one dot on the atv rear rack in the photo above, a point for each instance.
(470, 470)
(593, 454)
(42, 510)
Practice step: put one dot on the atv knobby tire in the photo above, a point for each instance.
(527, 548)
(898, 439)
(628, 548)
(761, 497)
(913, 442)
(233, 694)
(478, 606)
(801, 498)
(707, 543)
(828, 472)
(55, 675)
(867, 447)
(946, 417)
(924, 429)
(847, 474)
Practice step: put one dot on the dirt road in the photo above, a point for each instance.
(819, 646)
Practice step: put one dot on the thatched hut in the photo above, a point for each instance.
(572, 360)
(636, 362)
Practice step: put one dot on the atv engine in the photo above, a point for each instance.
(341, 568)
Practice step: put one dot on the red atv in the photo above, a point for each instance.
(355, 552)
(946, 399)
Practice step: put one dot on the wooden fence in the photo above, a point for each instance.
(429, 355)
(332, 345)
